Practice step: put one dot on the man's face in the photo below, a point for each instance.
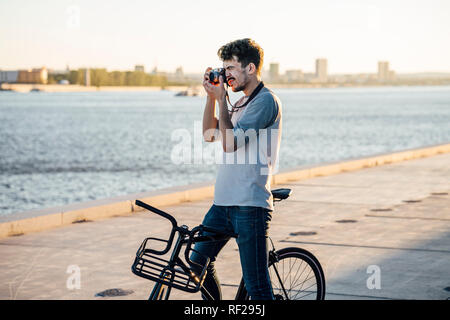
(237, 76)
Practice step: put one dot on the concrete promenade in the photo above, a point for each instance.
(394, 216)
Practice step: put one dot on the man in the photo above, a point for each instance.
(251, 132)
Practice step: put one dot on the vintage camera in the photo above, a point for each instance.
(214, 75)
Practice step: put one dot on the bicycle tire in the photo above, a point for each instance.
(302, 262)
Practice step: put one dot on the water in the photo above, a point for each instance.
(63, 148)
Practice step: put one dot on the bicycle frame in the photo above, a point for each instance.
(182, 240)
(186, 238)
(174, 260)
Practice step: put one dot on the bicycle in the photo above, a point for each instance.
(295, 273)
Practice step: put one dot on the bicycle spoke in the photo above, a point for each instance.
(281, 283)
(301, 263)
(306, 278)
(304, 281)
(293, 278)
(306, 266)
(305, 290)
(311, 292)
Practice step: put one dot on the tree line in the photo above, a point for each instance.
(101, 77)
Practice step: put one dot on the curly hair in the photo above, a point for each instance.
(245, 50)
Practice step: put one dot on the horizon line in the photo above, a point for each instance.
(200, 72)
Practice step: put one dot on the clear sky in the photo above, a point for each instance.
(413, 35)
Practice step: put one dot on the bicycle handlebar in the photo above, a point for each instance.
(192, 238)
(157, 211)
(167, 216)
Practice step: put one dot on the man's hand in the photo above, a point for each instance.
(206, 81)
(216, 92)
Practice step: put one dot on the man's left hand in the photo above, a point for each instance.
(218, 91)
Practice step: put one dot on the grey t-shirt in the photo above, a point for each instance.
(243, 177)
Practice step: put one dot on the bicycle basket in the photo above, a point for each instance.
(175, 274)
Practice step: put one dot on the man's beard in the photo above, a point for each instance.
(242, 86)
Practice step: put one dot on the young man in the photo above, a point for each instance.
(251, 133)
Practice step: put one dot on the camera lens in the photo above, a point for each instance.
(214, 76)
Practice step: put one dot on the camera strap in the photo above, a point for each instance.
(250, 98)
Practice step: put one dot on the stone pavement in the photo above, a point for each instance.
(395, 217)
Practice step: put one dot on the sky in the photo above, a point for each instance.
(353, 35)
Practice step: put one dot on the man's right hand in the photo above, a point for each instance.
(210, 122)
(206, 83)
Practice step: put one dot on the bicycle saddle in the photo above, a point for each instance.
(281, 194)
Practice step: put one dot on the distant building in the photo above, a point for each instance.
(139, 68)
(392, 75)
(33, 76)
(178, 76)
(322, 70)
(9, 76)
(179, 72)
(294, 75)
(274, 72)
(87, 77)
(58, 71)
(309, 76)
(383, 71)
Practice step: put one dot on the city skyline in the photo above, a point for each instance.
(268, 68)
(384, 75)
(352, 35)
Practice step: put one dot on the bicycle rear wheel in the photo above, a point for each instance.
(295, 275)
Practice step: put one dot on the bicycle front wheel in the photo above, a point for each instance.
(295, 274)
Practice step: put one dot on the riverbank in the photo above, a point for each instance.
(78, 88)
(24, 88)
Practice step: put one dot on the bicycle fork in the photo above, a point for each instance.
(160, 290)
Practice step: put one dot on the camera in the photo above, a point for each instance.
(214, 75)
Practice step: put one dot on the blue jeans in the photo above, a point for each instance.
(252, 225)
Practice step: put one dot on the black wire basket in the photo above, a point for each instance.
(150, 264)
